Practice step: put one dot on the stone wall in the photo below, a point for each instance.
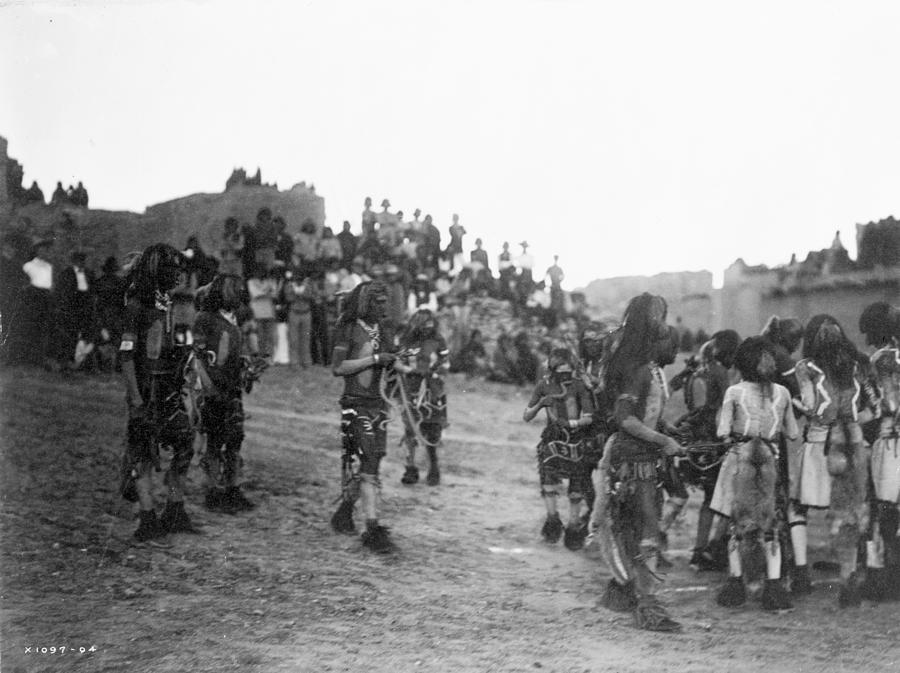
(100, 233)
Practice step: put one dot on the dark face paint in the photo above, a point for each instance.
(377, 308)
(766, 366)
(169, 275)
(231, 295)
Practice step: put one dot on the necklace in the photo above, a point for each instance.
(657, 372)
(374, 333)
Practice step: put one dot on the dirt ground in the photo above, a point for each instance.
(472, 587)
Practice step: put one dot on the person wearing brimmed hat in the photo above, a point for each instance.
(386, 218)
(525, 278)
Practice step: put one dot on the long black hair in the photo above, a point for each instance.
(880, 322)
(156, 270)
(784, 332)
(416, 329)
(225, 291)
(635, 343)
(825, 343)
(725, 345)
(357, 303)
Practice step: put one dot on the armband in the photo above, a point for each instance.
(126, 345)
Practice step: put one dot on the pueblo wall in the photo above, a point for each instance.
(745, 307)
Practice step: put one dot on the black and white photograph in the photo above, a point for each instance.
(419, 336)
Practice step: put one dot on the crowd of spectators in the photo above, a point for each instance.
(58, 317)
(71, 317)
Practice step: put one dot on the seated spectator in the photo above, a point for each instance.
(421, 294)
(471, 359)
(526, 368)
(503, 363)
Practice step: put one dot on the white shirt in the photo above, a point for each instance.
(40, 273)
(81, 279)
(525, 261)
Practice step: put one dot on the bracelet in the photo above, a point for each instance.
(375, 358)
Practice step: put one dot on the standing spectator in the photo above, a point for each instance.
(266, 240)
(232, 248)
(507, 272)
(432, 242)
(299, 299)
(386, 218)
(556, 276)
(281, 345)
(284, 245)
(455, 247)
(200, 267)
(320, 353)
(59, 195)
(356, 276)
(414, 226)
(525, 279)
(397, 291)
(330, 251)
(263, 290)
(109, 290)
(13, 282)
(306, 247)
(37, 307)
(248, 256)
(371, 250)
(422, 294)
(348, 244)
(480, 255)
(75, 306)
(369, 218)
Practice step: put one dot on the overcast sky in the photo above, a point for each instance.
(626, 137)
